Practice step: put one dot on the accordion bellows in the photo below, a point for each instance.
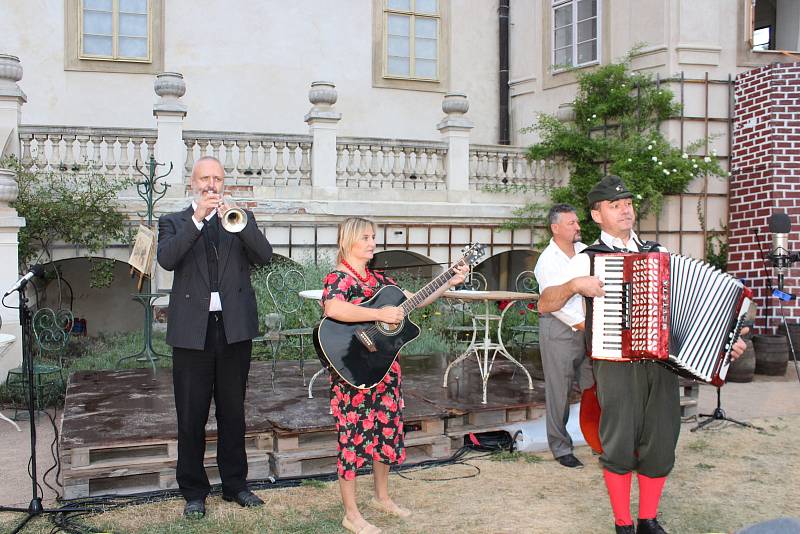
(678, 310)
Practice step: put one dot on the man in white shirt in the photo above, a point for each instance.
(639, 400)
(562, 346)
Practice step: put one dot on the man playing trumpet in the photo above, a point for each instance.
(212, 321)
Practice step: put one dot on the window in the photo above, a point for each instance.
(761, 38)
(115, 30)
(410, 44)
(412, 39)
(575, 33)
(114, 35)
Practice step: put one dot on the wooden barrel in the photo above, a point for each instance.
(772, 355)
(741, 370)
(794, 329)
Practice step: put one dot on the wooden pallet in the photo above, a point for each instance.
(487, 421)
(134, 468)
(315, 453)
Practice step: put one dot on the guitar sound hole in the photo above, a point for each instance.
(390, 329)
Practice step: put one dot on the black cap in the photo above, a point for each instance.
(609, 188)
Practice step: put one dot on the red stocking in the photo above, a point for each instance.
(649, 495)
(619, 492)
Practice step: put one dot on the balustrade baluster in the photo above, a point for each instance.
(280, 163)
(305, 163)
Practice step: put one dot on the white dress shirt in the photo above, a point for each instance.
(216, 303)
(551, 264)
(580, 264)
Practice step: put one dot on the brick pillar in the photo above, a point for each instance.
(765, 177)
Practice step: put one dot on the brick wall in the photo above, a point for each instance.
(765, 177)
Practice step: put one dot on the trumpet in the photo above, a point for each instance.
(234, 220)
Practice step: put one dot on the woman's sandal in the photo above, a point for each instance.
(369, 528)
(399, 511)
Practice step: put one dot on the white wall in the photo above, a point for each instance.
(249, 69)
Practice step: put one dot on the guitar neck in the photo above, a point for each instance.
(429, 289)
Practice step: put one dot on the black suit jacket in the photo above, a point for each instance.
(180, 249)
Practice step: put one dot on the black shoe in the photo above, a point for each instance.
(244, 498)
(625, 529)
(195, 509)
(649, 526)
(569, 460)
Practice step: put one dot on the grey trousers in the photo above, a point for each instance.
(564, 361)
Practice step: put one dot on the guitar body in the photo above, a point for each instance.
(342, 347)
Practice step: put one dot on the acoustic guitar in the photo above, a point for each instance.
(363, 353)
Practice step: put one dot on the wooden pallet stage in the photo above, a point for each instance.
(119, 433)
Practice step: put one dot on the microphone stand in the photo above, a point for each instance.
(35, 507)
(719, 415)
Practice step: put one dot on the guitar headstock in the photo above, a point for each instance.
(473, 253)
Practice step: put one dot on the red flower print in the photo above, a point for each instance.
(352, 417)
(368, 424)
(345, 284)
(383, 418)
(380, 388)
(343, 438)
(387, 432)
(367, 292)
(395, 367)
(331, 278)
(349, 455)
(358, 439)
(358, 399)
(349, 474)
(398, 423)
(370, 448)
(387, 401)
(359, 462)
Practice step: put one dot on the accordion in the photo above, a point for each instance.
(678, 310)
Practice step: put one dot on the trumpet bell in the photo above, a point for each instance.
(234, 220)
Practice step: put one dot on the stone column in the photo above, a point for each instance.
(10, 223)
(455, 129)
(322, 122)
(169, 112)
(11, 100)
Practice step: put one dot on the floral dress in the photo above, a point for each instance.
(369, 422)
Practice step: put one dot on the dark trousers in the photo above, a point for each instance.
(640, 416)
(220, 370)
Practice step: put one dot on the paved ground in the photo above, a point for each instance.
(764, 397)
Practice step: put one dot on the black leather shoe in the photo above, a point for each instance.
(625, 529)
(195, 509)
(244, 498)
(569, 460)
(649, 526)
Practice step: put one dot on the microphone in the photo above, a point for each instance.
(779, 227)
(35, 270)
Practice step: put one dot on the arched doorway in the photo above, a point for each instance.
(501, 270)
(405, 263)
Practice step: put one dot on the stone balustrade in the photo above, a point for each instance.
(497, 167)
(64, 148)
(390, 164)
(253, 159)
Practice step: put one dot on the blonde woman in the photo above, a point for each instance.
(369, 422)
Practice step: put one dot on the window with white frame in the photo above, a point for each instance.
(576, 33)
(411, 39)
(115, 30)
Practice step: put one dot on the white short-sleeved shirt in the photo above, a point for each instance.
(579, 265)
(551, 264)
